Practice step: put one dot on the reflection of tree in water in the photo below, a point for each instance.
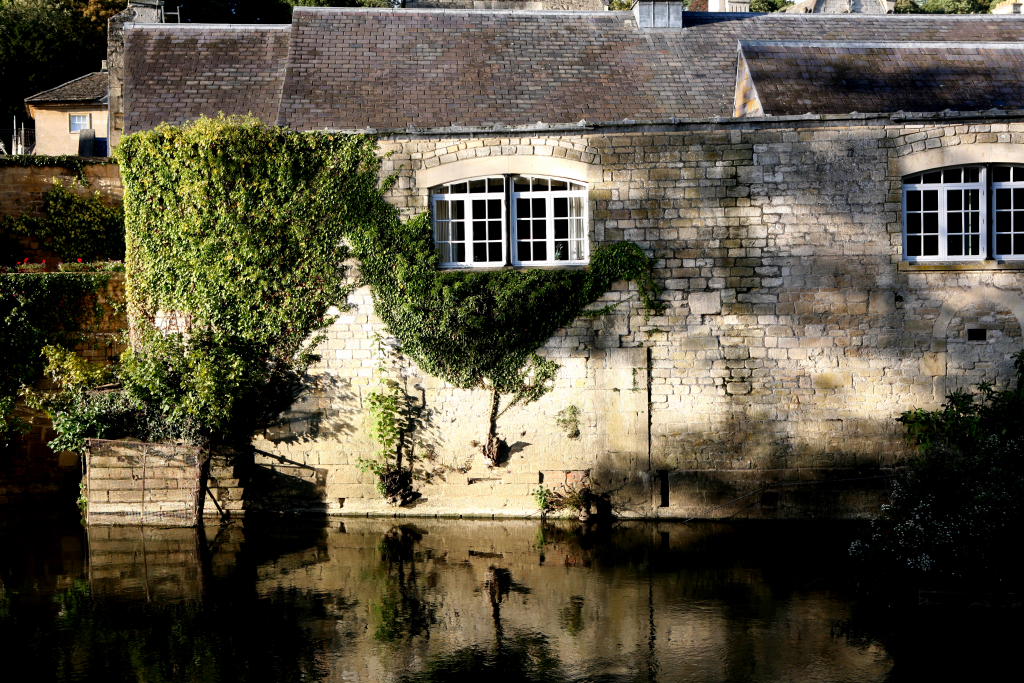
(233, 636)
(404, 611)
(524, 657)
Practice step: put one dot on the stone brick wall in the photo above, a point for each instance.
(794, 333)
(130, 482)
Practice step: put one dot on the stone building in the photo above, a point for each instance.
(830, 202)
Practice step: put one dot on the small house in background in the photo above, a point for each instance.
(72, 118)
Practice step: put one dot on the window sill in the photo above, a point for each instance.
(926, 266)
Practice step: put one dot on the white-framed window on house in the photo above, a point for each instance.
(964, 213)
(549, 221)
(79, 122)
(520, 220)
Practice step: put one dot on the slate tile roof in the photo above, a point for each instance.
(842, 77)
(393, 69)
(90, 88)
(176, 72)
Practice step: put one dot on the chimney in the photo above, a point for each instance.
(137, 11)
(658, 13)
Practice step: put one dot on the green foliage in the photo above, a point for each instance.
(955, 514)
(769, 5)
(542, 496)
(36, 310)
(76, 164)
(238, 228)
(480, 329)
(73, 226)
(568, 420)
(44, 43)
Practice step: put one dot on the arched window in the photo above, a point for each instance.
(964, 213)
(520, 220)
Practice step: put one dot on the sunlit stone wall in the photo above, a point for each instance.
(794, 333)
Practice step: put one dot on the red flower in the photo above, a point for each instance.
(26, 259)
(44, 262)
(79, 260)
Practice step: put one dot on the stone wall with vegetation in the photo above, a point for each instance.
(793, 334)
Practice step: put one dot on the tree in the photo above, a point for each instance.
(44, 43)
(768, 5)
(942, 6)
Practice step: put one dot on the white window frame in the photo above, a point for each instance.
(467, 198)
(549, 197)
(1004, 185)
(71, 122)
(509, 241)
(983, 234)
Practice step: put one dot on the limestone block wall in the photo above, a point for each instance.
(793, 337)
(130, 482)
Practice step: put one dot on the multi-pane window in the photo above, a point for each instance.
(548, 220)
(964, 214)
(515, 219)
(79, 122)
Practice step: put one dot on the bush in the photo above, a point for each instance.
(955, 515)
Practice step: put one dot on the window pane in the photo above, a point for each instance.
(495, 184)
(558, 185)
(523, 230)
(523, 251)
(561, 251)
(1003, 198)
(494, 252)
(931, 200)
(952, 175)
(561, 229)
(493, 208)
(914, 200)
(442, 231)
(971, 175)
(1018, 221)
(1001, 174)
(577, 229)
(913, 223)
(540, 251)
(576, 250)
(930, 245)
(975, 248)
(441, 210)
(539, 208)
(1018, 173)
(479, 252)
(561, 206)
(933, 177)
(443, 252)
(520, 184)
(1018, 245)
(540, 230)
(458, 210)
(459, 252)
(479, 185)
(576, 206)
(954, 245)
(954, 223)
(458, 231)
(540, 185)
(479, 231)
(523, 207)
(931, 222)
(954, 200)
(1018, 198)
(913, 246)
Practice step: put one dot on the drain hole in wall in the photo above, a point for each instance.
(977, 334)
(540, 477)
(663, 479)
(341, 502)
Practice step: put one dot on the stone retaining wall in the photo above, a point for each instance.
(130, 482)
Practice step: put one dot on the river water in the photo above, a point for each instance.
(465, 600)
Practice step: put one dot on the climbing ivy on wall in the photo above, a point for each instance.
(241, 230)
(73, 226)
(36, 310)
(238, 228)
